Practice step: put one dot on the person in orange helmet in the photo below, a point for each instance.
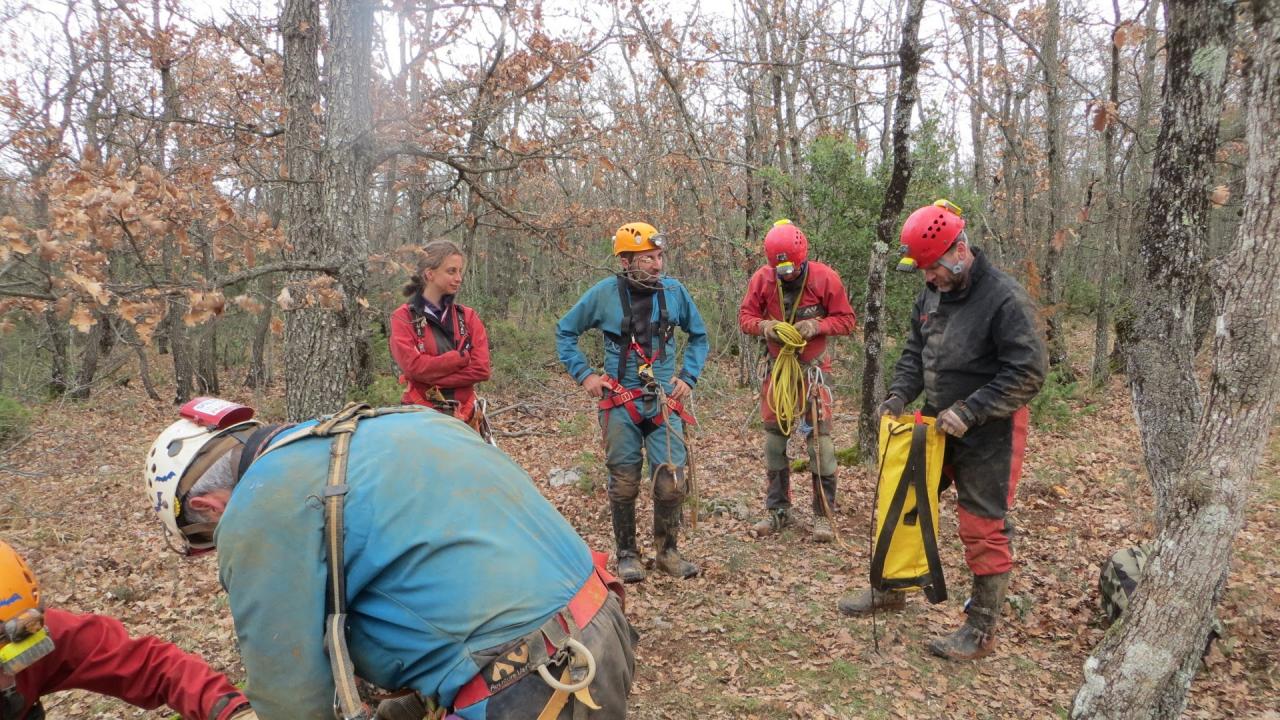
(45, 650)
(640, 392)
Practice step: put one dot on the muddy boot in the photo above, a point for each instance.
(821, 532)
(824, 495)
(666, 531)
(977, 637)
(630, 569)
(867, 601)
(773, 522)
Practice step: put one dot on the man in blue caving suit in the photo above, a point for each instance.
(640, 395)
(463, 587)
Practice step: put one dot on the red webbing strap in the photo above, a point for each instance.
(622, 397)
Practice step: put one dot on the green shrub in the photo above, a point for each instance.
(14, 418)
(384, 391)
(524, 353)
(1052, 407)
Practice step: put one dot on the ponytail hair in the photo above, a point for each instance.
(430, 256)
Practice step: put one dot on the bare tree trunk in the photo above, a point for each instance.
(1101, 356)
(98, 345)
(1165, 389)
(1144, 667)
(975, 51)
(55, 327)
(1057, 230)
(886, 232)
(259, 375)
(1142, 148)
(316, 355)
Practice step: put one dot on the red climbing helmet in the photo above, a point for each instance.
(929, 233)
(785, 247)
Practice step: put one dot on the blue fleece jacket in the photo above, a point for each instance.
(601, 308)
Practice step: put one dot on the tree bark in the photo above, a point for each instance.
(1165, 390)
(1056, 234)
(975, 53)
(886, 232)
(1101, 338)
(327, 207)
(1144, 667)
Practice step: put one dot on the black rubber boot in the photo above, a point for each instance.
(630, 569)
(977, 637)
(868, 600)
(666, 533)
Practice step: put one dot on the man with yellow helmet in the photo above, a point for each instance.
(43, 650)
(639, 390)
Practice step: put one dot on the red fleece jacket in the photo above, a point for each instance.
(93, 652)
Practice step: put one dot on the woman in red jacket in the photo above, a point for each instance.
(43, 651)
(440, 345)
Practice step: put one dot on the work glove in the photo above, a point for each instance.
(402, 707)
(768, 328)
(955, 420)
(807, 328)
(891, 406)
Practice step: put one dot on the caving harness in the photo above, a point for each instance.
(442, 399)
(628, 343)
(651, 390)
(556, 642)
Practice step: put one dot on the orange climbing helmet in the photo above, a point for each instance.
(23, 637)
(637, 237)
(19, 590)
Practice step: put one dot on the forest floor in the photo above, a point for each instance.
(757, 635)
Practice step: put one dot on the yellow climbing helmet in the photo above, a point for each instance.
(637, 237)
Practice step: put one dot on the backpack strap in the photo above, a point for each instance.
(913, 476)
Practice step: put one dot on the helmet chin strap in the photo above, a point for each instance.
(652, 282)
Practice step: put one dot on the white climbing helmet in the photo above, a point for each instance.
(181, 455)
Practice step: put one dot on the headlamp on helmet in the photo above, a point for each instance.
(23, 637)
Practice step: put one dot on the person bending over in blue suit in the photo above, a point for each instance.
(458, 584)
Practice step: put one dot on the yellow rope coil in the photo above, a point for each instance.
(787, 384)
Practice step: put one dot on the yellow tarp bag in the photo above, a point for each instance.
(905, 555)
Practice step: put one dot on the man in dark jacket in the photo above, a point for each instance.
(977, 353)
